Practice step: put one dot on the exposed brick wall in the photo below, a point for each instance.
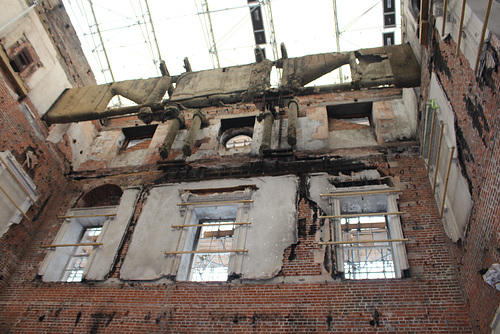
(428, 302)
(18, 136)
(475, 101)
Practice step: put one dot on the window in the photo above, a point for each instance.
(212, 263)
(138, 137)
(210, 232)
(80, 256)
(354, 113)
(89, 239)
(368, 235)
(21, 60)
(368, 259)
(350, 125)
(17, 192)
(236, 135)
(239, 141)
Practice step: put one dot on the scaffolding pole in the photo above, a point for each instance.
(14, 202)
(102, 42)
(17, 180)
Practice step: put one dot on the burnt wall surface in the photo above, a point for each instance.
(305, 296)
(475, 102)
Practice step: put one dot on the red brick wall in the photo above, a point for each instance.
(18, 136)
(428, 302)
(476, 102)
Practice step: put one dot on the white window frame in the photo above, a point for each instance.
(24, 188)
(193, 213)
(393, 226)
(70, 232)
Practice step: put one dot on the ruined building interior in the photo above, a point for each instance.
(218, 202)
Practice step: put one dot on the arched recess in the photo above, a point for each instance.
(105, 195)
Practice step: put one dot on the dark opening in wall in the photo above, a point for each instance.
(138, 137)
(349, 116)
(21, 60)
(108, 194)
(236, 132)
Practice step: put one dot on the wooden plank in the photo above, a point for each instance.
(365, 215)
(72, 245)
(361, 241)
(366, 192)
(216, 203)
(221, 224)
(209, 252)
(87, 216)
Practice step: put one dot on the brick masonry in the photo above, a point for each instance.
(428, 302)
(476, 102)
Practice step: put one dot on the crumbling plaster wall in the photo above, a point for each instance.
(394, 120)
(49, 80)
(272, 214)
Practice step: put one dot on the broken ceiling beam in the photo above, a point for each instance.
(222, 85)
(393, 65)
(89, 103)
(388, 65)
(298, 72)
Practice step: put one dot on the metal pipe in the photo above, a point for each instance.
(361, 241)
(437, 159)
(431, 141)
(460, 27)
(364, 214)
(20, 15)
(199, 225)
(337, 35)
(153, 29)
(483, 33)
(209, 252)
(102, 42)
(87, 216)
(444, 16)
(72, 245)
(214, 203)
(446, 182)
(14, 202)
(373, 192)
(17, 180)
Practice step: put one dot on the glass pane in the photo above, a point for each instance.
(239, 141)
(368, 259)
(213, 239)
(78, 260)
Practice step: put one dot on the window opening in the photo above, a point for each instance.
(367, 260)
(237, 132)
(79, 258)
(138, 137)
(358, 115)
(21, 60)
(213, 239)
